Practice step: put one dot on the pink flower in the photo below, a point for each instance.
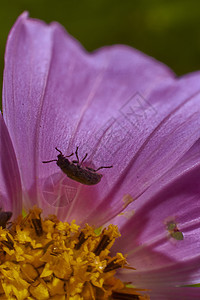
(124, 109)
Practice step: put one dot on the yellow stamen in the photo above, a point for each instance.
(49, 259)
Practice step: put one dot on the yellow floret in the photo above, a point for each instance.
(49, 259)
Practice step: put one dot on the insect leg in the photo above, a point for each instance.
(83, 159)
(48, 161)
(108, 167)
(91, 169)
(62, 154)
(69, 155)
(76, 152)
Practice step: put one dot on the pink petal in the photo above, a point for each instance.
(11, 193)
(146, 237)
(126, 110)
(161, 149)
(184, 293)
(122, 107)
(187, 164)
(165, 281)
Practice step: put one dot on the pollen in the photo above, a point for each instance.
(48, 259)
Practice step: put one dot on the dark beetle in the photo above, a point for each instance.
(5, 217)
(74, 170)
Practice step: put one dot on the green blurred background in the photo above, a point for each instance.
(166, 30)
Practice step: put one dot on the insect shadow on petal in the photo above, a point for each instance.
(74, 169)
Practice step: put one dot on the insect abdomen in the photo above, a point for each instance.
(81, 175)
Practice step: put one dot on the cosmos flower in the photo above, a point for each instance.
(128, 111)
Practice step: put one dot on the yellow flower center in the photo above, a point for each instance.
(49, 259)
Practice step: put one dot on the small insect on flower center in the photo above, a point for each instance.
(75, 170)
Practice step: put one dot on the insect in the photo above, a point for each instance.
(74, 169)
(173, 230)
(5, 217)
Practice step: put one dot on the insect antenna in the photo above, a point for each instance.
(58, 150)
